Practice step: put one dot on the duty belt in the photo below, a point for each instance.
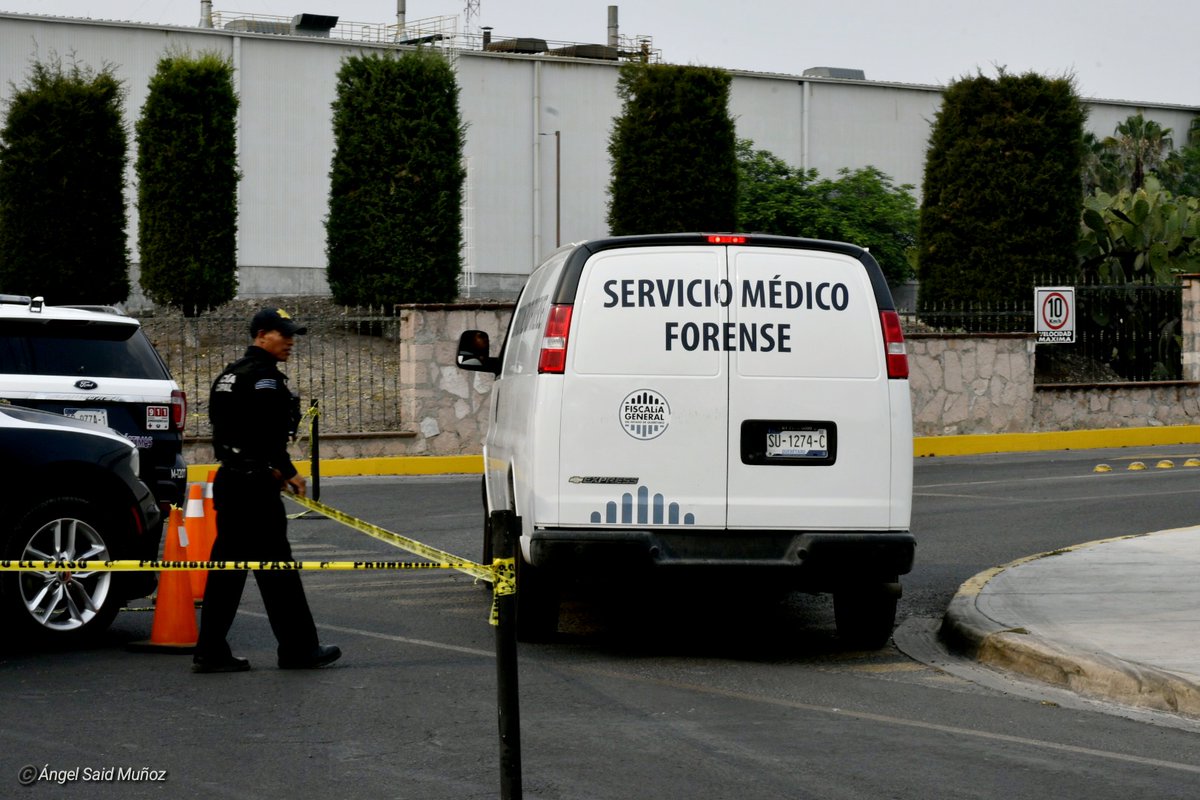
(246, 467)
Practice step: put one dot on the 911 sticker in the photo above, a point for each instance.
(158, 418)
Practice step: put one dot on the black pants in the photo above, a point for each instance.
(252, 526)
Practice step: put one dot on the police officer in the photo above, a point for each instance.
(253, 416)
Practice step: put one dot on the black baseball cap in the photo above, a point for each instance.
(275, 319)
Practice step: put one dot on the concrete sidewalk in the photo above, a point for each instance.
(1117, 619)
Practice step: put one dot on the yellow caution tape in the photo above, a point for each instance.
(505, 570)
(403, 542)
(25, 565)
(502, 573)
(438, 559)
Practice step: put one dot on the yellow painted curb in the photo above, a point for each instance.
(976, 444)
(389, 465)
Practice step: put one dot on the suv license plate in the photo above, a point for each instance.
(96, 415)
(808, 443)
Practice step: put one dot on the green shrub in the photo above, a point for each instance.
(1002, 198)
(63, 151)
(674, 165)
(187, 183)
(860, 206)
(394, 231)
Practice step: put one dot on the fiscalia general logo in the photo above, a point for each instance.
(645, 414)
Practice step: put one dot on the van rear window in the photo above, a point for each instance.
(63, 347)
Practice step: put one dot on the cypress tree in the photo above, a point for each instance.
(673, 149)
(187, 183)
(394, 231)
(63, 151)
(1001, 204)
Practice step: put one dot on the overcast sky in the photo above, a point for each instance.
(1115, 50)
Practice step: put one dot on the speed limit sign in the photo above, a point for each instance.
(1054, 312)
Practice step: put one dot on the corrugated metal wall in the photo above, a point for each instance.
(512, 105)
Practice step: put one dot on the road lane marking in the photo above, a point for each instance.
(471, 651)
(867, 716)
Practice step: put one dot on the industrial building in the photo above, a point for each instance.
(538, 118)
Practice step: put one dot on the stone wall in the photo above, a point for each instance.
(1069, 407)
(1190, 327)
(447, 407)
(970, 384)
(961, 384)
(984, 383)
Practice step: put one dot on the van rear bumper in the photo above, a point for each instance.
(820, 557)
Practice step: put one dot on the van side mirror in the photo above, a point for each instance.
(474, 353)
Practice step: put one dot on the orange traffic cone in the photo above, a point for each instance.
(174, 629)
(199, 545)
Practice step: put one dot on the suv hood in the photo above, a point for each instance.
(15, 417)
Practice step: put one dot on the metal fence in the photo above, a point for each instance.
(1126, 332)
(349, 362)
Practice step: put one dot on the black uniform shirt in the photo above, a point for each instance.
(250, 407)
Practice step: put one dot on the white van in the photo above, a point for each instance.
(721, 402)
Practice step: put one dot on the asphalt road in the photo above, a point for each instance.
(713, 692)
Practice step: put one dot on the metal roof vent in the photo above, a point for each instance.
(521, 45)
(597, 51)
(258, 26)
(317, 25)
(835, 72)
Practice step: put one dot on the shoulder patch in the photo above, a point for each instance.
(266, 383)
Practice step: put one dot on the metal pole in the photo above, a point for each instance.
(558, 188)
(316, 449)
(508, 705)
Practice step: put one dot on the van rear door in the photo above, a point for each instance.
(810, 424)
(731, 386)
(644, 438)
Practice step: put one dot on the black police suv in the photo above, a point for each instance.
(96, 364)
(71, 492)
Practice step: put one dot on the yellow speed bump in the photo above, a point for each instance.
(1166, 463)
(1102, 468)
(1136, 465)
(1192, 462)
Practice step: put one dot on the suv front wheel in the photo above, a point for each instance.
(62, 606)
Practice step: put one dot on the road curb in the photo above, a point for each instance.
(967, 631)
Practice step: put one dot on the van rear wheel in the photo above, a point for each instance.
(865, 616)
(537, 603)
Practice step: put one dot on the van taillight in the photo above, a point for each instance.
(178, 409)
(893, 343)
(553, 357)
